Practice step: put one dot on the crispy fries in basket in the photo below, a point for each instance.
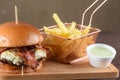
(86, 31)
(60, 24)
(68, 41)
(66, 31)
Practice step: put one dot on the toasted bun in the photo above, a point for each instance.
(7, 68)
(17, 35)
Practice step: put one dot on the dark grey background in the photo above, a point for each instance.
(39, 12)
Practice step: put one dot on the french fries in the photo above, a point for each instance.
(66, 31)
(72, 26)
(72, 46)
(87, 29)
(60, 24)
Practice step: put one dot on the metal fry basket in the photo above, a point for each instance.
(64, 49)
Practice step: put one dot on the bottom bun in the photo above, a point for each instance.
(7, 68)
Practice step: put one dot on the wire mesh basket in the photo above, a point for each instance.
(65, 49)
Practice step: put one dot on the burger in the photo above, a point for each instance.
(20, 48)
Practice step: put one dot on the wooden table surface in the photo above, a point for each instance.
(58, 71)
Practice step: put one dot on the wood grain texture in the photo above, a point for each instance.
(58, 71)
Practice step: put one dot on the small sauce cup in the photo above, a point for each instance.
(100, 55)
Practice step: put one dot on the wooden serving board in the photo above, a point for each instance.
(58, 71)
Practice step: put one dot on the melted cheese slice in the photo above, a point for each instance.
(12, 56)
(39, 53)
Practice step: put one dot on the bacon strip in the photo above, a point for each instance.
(31, 61)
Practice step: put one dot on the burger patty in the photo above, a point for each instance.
(27, 56)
